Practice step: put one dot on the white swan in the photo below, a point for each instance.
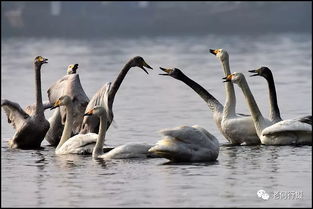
(274, 113)
(286, 132)
(187, 144)
(30, 128)
(128, 150)
(78, 144)
(237, 128)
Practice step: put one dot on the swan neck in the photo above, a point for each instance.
(39, 106)
(98, 149)
(230, 100)
(274, 109)
(117, 83)
(67, 131)
(254, 109)
(213, 103)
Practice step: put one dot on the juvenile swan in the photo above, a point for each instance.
(237, 128)
(187, 144)
(30, 129)
(286, 132)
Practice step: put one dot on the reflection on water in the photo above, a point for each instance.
(145, 104)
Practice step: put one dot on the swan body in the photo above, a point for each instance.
(81, 144)
(187, 144)
(285, 132)
(30, 128)
(237, 128)
(128, 150)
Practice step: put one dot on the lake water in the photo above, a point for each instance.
(145, 104)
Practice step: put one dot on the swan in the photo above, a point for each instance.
(69, 85)
(187, 144)
(30, 129)
(106, 94)
(77, 93)
(78, 144)
(285, 132)
(274, 114)
(125, 151)
(215, 106)
(238, 128)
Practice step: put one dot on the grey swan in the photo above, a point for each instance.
(30, 129)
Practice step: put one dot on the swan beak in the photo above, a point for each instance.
(147, 66)
(167, 70)
(90, 112)
(44, 60)
(228, 78)
(254, 71)
(56, 104)
(214, 51)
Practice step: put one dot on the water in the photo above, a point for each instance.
(145, 104)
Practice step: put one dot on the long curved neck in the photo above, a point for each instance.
(274, 110)
(39, 107)
(115, 86)
(230, 101)
(213, 103)
(254, 109)
(98, 149)
(67, 131)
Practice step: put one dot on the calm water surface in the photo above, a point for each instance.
(145, 104)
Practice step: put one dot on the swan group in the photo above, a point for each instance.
(79, 124)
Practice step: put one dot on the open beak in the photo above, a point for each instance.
(90, 112)
(56, 104)
(45, 60)
(213, 51)
(167, 70)
(147, 66)
(227, 78)
(254, 71)
(75, 67)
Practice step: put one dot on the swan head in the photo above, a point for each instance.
(221, 54)
(234, 78)
(97, 111)
(62, 101)
(139, 62)
(262, 71)
(173, 72)
(39, 60)
(72, 68)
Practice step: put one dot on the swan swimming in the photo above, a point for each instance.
(285, 132)
(187, 144)
(30, 129)
(237, 128)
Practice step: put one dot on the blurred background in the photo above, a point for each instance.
(132, 18)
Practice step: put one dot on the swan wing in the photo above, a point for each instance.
(70, 85)
(16, 115)
(79, 144)
(91, 123)
(292, 125)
